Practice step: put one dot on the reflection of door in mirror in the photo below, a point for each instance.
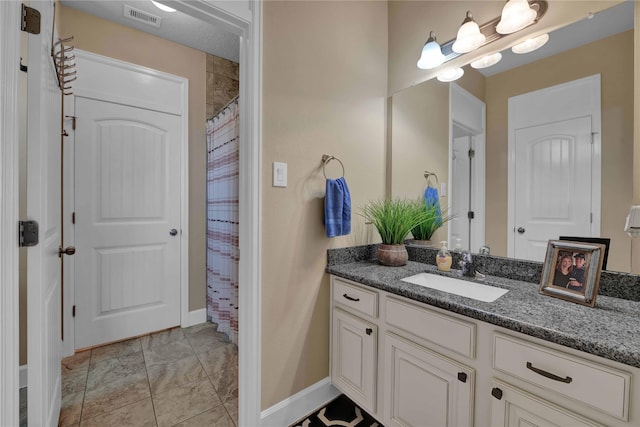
(467, 169)
(554, 166)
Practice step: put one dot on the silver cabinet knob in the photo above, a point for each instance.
(521, 230)
(173, 232)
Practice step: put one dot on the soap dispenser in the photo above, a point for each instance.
(443, 259)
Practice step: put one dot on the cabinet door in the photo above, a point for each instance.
(423, 388)
(353, 358)
(512, 407)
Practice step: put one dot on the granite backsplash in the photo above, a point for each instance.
(612, 283)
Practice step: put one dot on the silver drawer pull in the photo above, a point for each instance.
(351, 298)
(549, 375)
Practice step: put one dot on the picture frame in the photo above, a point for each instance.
(572, 271)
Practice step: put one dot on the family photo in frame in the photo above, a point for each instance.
(572, 271)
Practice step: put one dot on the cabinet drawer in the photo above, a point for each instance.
(599, 386)
(355, 297)
(445, 331)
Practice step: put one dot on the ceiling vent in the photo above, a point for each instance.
(142, 16)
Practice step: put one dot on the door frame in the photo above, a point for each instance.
(532, 109)
(9, 320)
(84, 87)
(233, 17)
(468, 112)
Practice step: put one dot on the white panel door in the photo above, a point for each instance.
(43, 205)
(553, 167)
(127, 221)
(460, 192)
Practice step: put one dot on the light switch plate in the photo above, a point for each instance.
(279, 174)
(443, 189)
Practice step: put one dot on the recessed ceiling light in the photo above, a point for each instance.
(163, 7)
(487, 61)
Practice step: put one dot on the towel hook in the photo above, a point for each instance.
(428, 175)
(325, 160)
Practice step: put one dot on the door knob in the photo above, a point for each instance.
(69, 250)
(173, 232)
(521, 230)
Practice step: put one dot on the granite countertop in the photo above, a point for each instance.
(611, 329)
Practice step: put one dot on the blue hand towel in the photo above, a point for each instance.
(431, 199)
(337, 208)
(346, 207)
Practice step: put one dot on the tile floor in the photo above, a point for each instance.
(179, 377)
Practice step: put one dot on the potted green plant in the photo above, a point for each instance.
(394, 219)
(423, 232)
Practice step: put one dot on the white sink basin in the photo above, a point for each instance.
(462, 288)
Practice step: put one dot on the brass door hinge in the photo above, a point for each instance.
(73, 121)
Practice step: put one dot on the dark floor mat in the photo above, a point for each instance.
(339, 412)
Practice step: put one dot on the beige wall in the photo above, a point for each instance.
(420, 141)
(612, 58)
(473, 82)
(116, 41)
(324, 92)
(411, 21)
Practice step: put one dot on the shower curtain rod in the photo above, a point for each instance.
(234, 99)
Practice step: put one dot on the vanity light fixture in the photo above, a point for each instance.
(632, 225)
(163, 7)
(469, 36)
(431, 55)
(468, 39)
(529, 45)
(450, 74)
(516, 15)
(487, 61)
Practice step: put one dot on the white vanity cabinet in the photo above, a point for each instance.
(512, 407)
(353, 359)
(424, 388)
(387, 369)
(354, 342)
(411, 364)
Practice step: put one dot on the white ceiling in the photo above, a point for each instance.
(175, 26)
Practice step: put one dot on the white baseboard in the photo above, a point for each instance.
(300, 404)
(196, 317)
(23, 376)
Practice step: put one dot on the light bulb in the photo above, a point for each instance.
(469, 36)
(431, 55)
(163, 7)
(487, 61)
(516, 15)
(531, 44)
(450, 74)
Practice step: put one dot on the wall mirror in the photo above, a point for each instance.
(425, 136)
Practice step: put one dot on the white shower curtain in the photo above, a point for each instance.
(222, 220)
